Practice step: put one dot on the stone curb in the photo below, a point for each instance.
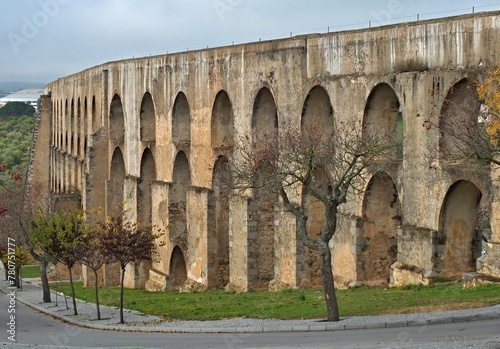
(259, 329)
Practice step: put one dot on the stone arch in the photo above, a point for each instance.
(218, 226)
(265, 114)
(72, 127)
(78, 128)
(115, 195)
(459, 241)
(381, 219)
(181, 121)
(177, 269)
(61, 126)
(144, 190)
(222, 121)
(148, 119)
(317, 113)
(95, 123)
(261, 234)
(383, 118)
(458, 119)
(116, 120)
(316, 121)
(67, 126)
(88, 126)
(315, 208)
(177, 200)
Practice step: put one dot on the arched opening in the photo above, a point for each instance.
(222, 121)
(78, 128)
(116, 121)
(87, 126)
(148, 120)
(317, 123)
(181, 121)
(144, 192)
(95, 123)
(459, 121)
(72, 127)
(261, 205)
(317, 114)
(177, 199)
(177, 270)
(381, 219)
(315, 208)
(460, 242)
(218, 226)
(383, 119)
(66, 126)
(115, 193)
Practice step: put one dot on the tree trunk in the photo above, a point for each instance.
(332, 307)
(97, 295)
(75, 311)
(17, 276)
(121, 294)
(45, 281)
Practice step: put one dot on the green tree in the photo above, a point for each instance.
(17, 210)
(20, 258)
(16, 109)
(60, 235)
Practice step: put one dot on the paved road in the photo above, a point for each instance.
(33, 328)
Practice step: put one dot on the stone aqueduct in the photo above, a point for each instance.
(152, 132)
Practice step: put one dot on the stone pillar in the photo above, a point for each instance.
(489, 263)
(196, 211)
(238, 244)
(159, 214)
(285, 250)
(347, 249)
(132, 272)
(418, 250)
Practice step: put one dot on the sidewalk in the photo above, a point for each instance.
(31, 295)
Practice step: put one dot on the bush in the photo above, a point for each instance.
(16, 109)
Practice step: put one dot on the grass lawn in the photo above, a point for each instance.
(293, 304)
(30, 271)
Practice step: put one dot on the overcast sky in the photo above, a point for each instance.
(41, 40)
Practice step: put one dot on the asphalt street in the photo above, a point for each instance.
(33, 328)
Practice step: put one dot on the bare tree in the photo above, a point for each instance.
(124, 243)
(92, 254)
(310, 162)
(469, 123)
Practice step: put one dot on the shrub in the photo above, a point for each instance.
(413, 64)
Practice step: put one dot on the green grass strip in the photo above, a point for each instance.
(294, 304)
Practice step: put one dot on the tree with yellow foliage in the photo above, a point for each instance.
(489, 92)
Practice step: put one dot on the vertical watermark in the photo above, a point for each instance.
(31, 25)
(222, 7)
(12, 281)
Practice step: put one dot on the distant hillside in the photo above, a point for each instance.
(16, 135)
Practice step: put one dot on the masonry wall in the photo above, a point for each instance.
(98, 120)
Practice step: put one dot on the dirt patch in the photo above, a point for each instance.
(445, 307)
